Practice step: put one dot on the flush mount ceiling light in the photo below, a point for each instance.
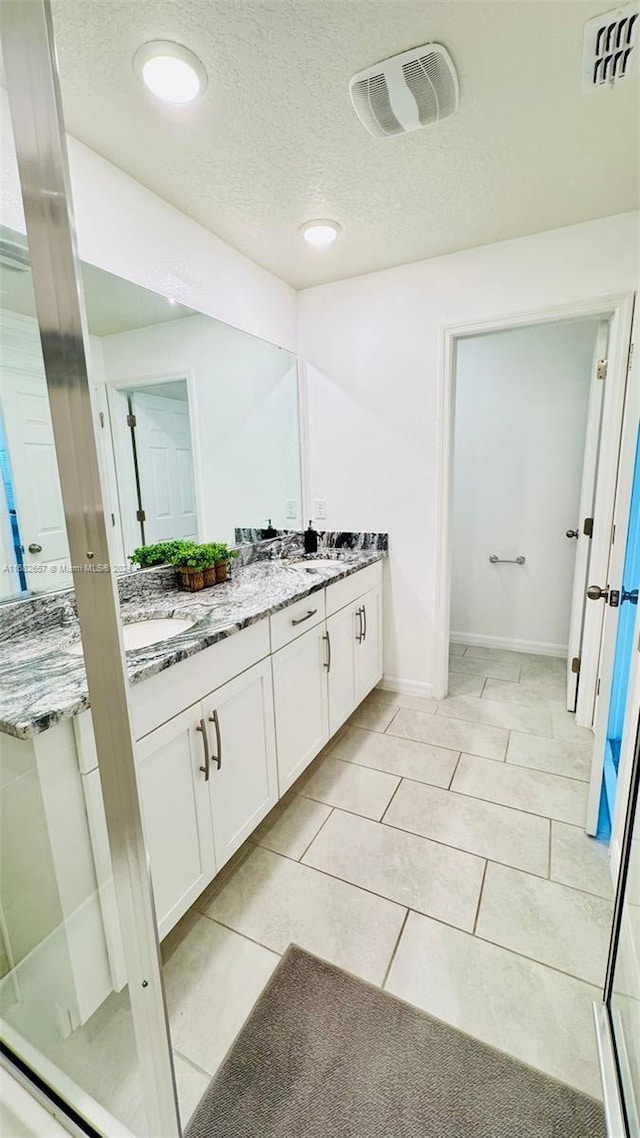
(321, 232)
(171, 72)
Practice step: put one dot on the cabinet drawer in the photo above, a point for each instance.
(349, 588)
(161, 697)
(289, 623)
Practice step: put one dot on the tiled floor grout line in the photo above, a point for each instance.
(484, 875)
(230, 928)
(440, 842)
(317, 833)
(395, 949)
(432, 841)
(454, 771)
(191, 1063)
(400, 782)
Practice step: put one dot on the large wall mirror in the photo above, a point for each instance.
(197, 425)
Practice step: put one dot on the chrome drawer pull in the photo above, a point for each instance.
(206, 769)
(301, 619)
(328, 660)
(213, 718)
(359, 633)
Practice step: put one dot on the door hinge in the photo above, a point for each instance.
(141, 516)
(113, 519)
(575, 665)
(587, 528)
(598, 686)
(101, 418)
(601, 369)
(132, 421)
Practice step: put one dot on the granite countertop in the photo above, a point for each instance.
(42, 683)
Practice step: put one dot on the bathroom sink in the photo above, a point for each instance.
(142, 633)
(315, 563)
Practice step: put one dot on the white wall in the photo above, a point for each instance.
(124, 228)
(374, 348)
(521, 401)
(245, 416)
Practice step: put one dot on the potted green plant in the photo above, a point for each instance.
(196, 565)
(222, 557)
(162, 553)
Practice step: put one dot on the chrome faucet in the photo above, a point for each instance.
(67, 615)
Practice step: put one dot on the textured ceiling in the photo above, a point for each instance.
(274, 141)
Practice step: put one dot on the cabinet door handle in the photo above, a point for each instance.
(206, 769)
(359, 632)
(301, 619)
(328, 660)
(213, 718)
(364, 613)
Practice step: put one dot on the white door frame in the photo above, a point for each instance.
(586, 510)
(121, 449)
(607, 618)
(618, 308)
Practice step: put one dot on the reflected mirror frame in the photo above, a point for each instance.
(38, 125)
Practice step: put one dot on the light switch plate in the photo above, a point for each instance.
(292, 509)
(321, 508)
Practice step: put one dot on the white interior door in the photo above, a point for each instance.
(165, 467)
(620, 339)
(30, 445)
(584, 520)
(606, 613)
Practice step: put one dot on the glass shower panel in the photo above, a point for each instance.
(64, 999)
(81, 1004)
(625, 995)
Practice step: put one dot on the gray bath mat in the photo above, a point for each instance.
(324, 1055)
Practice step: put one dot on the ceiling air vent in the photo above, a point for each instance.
(610, 48)
(410, 90)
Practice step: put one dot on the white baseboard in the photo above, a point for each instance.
(536, 647)
(406, 687)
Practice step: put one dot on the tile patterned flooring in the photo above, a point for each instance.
(433, 848)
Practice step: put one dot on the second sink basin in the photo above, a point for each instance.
(142, 633)
(315, 563)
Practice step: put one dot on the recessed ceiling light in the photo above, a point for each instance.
(170, 71)
(321, 232)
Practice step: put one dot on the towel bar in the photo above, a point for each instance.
(495, 560)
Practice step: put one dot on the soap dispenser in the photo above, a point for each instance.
(310, 539)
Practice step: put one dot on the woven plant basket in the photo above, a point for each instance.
(191, 579)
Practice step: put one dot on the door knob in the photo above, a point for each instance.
(595, 593)
(630, 595)
(35, 548)
(572, 533)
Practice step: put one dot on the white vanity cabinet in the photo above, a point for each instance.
(301, 705)
(343, 630)
(320, 677)
(243, 778)
(368, 642)
(223, 734)
(206, 779)
(174, 800)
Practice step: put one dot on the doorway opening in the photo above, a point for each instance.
(153, 461)
(527, 423)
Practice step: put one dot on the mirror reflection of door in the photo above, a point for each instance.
(31, 458)
(161, 438)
